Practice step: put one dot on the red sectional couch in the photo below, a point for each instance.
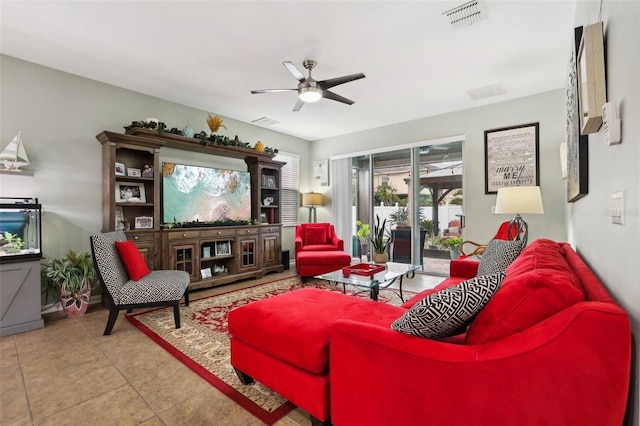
(550, 347)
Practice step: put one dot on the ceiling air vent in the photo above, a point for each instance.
(264, 121)
(486, 92)
(466, 14)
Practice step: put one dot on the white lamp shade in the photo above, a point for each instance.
(312, 199)
(519, 199)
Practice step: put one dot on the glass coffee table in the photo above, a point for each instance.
(382, 280)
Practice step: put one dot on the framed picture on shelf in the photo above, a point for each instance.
(511, 157)
(133, 172)
(120, 220)
(119, 169)
(263, 218)
(223, 248)
(144, 222)
(206, 273)
(206, 252)
(130, 192)
(269, 181)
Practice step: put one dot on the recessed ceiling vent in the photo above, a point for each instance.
(466, 14)
(266, 122)
(485, 92)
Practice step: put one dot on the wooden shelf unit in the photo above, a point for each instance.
(253, 250)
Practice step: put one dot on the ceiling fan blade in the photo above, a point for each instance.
(271, 91)
(295, 71)
(298, 106)
(327, 94)
(328, 84)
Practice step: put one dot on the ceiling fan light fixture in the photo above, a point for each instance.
(310, 94)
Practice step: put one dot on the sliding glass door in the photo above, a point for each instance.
(417, 211)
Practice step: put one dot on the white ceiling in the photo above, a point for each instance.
(210, 54)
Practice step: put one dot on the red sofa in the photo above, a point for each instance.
(550, 347)
(319, 250)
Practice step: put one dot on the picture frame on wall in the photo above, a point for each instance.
(577, 144)
(591, 78)
(130, 192)
(321, 172)
(511, 157)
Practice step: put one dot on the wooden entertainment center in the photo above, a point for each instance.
(212, 255)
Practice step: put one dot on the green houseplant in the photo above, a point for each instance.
(454, 246)
(75, 276)
(363, 233)
(380, 241)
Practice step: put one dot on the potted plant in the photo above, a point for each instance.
(75, 276)
(454, 246)
(363, 233)
(380, 241)
(400, 217)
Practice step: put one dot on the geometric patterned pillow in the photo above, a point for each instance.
(449, 311)
(498, 255)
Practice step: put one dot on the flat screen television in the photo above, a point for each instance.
(204, 194)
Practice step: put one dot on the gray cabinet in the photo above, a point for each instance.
(20, 297)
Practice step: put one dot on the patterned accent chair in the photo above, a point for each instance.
(158, 288)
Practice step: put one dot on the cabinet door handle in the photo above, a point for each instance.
(219, 233)
(136, 237)
(184, 235)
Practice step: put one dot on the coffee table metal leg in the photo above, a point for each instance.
(374, 293)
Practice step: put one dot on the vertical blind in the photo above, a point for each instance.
(290, 203)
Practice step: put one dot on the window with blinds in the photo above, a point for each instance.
(290, 174)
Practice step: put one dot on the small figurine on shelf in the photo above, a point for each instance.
(147, 171)
(123, 225)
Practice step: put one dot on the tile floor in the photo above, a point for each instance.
(68, 373)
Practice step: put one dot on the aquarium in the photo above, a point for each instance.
(204, 194)
(20, 229)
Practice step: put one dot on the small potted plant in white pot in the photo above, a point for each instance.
(75, 276)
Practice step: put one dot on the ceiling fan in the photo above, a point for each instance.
(311, 90)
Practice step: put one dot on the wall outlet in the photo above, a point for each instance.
(617, 208)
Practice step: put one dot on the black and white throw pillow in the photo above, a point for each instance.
(498, 255)
(448, 311)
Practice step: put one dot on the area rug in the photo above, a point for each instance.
(202, 342)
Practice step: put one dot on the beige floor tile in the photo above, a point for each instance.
(170, 386)
(208, 408)
(13, 398)
(60, 390)
(122, 406)
(297, 417)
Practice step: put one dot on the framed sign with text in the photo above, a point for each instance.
(511, 157)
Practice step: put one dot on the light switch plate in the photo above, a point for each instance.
(617, 208)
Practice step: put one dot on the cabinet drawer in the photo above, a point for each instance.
(269, 229)
(218, 233)
(141, 236)
(247, 231)
(182, 235)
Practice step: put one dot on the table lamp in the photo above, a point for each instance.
(519, 199)
(312, 199)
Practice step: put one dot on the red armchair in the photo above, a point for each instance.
(319, 250)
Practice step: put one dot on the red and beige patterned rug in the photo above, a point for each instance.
(202, 343)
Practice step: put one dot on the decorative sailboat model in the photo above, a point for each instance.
(14, 155)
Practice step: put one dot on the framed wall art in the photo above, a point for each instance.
(511, 157)
(591, 81)
(321, 172)
(577, 148)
